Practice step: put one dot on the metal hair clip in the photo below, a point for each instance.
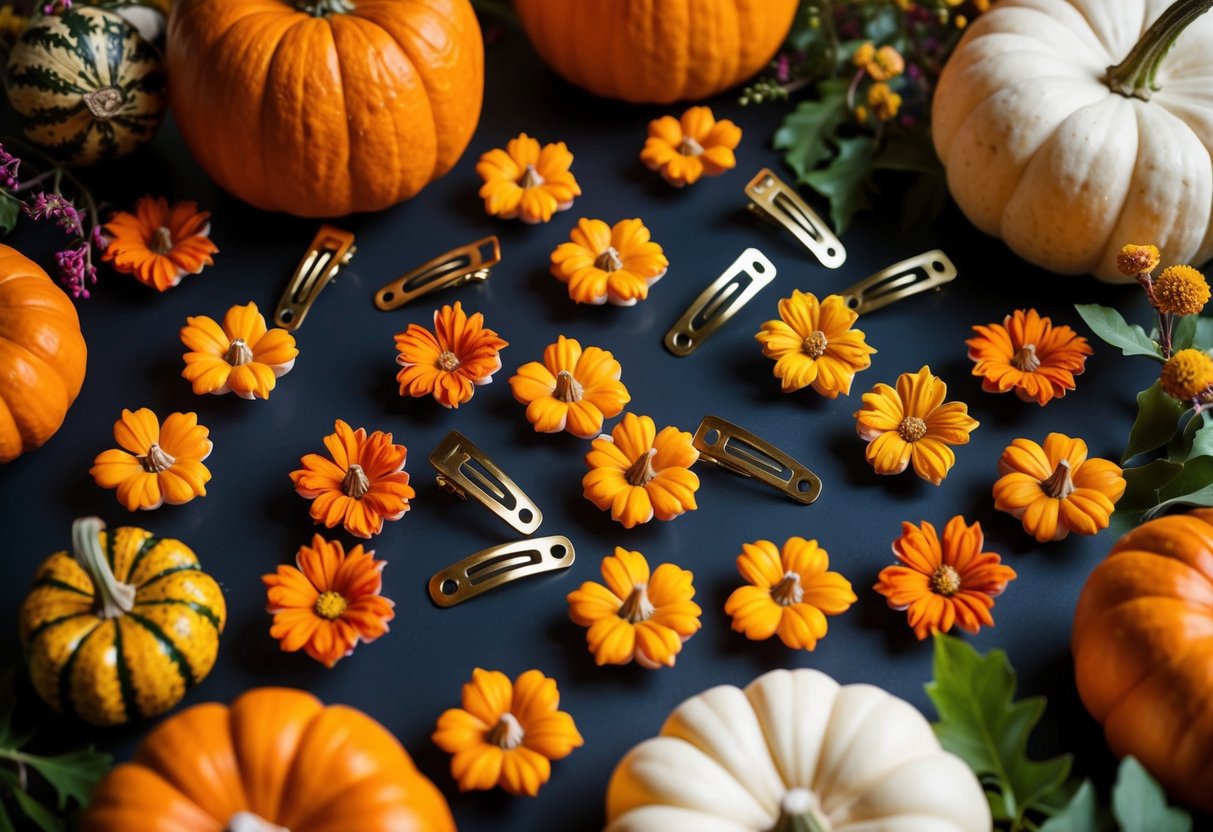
(464, 470)
(720, 302)
(778, 202)
(741, 452)
(331, 249)
(928, 270)
(497, 565)
(455, 268)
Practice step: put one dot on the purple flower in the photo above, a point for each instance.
(98, 239)
(75, 270)
(783, 69)
(8, 169)
(57, 7)
(58, 208)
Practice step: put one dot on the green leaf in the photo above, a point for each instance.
(844, 181)
(1202, 440)
(1111, 326)
(1081, 814)
(808, 132)
(913, 152)
(1183, 333)
(73, 775)
(924, 200)
(42, 817)
(1192, 486)
(10, 737)
(1204, 334)
(980, 722)
(1139, 804)
(6, 822)
(1157, 420)
(10, 210)
(1142, 487)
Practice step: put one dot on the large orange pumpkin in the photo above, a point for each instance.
(276, 760)
(656, 51)
(1143, 651)
(325, 107)
(42, 355)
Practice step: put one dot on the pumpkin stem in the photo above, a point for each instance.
(690, 147)
(788, 591)
(637, 607)
(323, 8)
(238, 353)
(155, 460)
(531, 178)
(609, 260)
(1059, 484)
(507, 733)
(162, 241)
(568, 389)
(248, 822)
(799, 811)
(105, 103)
(1026, 360)
(355, 484)
(113, 598)
(1134, 77)
(641, 471)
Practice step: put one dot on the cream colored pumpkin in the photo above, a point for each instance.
(795, 751)
(1041, 151)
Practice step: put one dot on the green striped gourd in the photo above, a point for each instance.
(121, 627)
(85, 85)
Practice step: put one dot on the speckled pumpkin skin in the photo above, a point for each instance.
(139, 664)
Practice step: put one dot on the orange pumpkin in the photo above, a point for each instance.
(656, 51)
(277, 759)
(1143, 651)
(42, 355)
(325, 107)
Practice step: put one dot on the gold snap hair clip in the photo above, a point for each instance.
(331, 249)
(490, 568)
(455, 268)
(929, 270)
(777, 202)
(720, 301)
(741, 452)
(464, 470)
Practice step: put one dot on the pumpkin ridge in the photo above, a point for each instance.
(1172, 662)
(130, 700)
(149, 543)
(172, 570)
(350, 142)
(201, 609)
(65, 674)
(43, 626)
(184, 670)
(58, 584)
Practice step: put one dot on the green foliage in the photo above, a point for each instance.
(1157, 414)
(1138, 805)
(10, 210)
(1112, 328)
(844, 181)
(808, 132)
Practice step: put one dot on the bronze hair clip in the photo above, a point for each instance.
(464, 470)
(720, 301)
(741, 452)
(929, 270)
(331, 249)
(458, 266)
(497, 565)
(777, 202)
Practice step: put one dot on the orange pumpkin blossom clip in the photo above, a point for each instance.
(449, 362)
(684, 149)
(639, 474)
(160, 244)
(1029, 355)
(241, 357)
(604, 263)
(572, 389)
(813, 344)
(526, 181)
(156, 463)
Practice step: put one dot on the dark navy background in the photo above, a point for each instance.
(252, 520)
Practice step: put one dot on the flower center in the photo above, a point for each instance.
(530, 178)
(788, 591)
(637, 607)
(162, 241)
(815, 345)
(945, 581)
(609, 260)
(641, 471)
(1026, 360)
(447, 361)
(912, 429)
(507, 733)
(568, 389)
(156, 460)
(330, 605)
(690, 147)
(355, 483)
(1059, 484)
(238, 353)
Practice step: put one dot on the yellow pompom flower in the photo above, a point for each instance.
(1134, 260)
(813, 344)
(864, 54)
(1187, 374)
(1181, 290)
(884, 102)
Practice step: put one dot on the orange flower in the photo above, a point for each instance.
(693, 146)
(507, 735)
(241, 357)
(813, 344)
(526, 181)
(160, 464)
(330, 602)
(789, 593)
(1029, 355)
(609, 263)
(448, 362)
(639, 474)
(159, 244)
(1056, 489)
(571, 390)
(361, 486)
(942, 584)
(912, 424)
(636, 616)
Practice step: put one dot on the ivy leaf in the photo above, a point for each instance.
(980, 722)
(808, 132)
(1157, 418)
(1112, 328)
(1081, 814)
(1183, 335)
(73, 774)
(10, 210)
(1204, 334)
(1139, 804)
(844, 181)
(1202, 440)
(912, 152)
(1192, 486)
(1142, 487)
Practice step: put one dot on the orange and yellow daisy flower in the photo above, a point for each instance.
(507, 734)
(1187, 375)
(241, 357)
(573, 389)
(329, 601)
(684, 149)
(362, 485)
(603, 263)
(1029, 355)
(156, 463)
(944, 583)
(449, 362)
(159, 244)
(526, 181)
(639, 474)
(813, 344)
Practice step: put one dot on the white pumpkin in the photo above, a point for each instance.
(795, 751)
(1041, 151)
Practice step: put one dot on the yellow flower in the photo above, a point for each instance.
(573, 389)
(156, 463)
(242, 356)
(864, 54)
(11, 24)
(602, 263)
(884, 102)
(1181, 290)
(813, 344)
(527, 181)
(913, 424)
(695, 145)
(1134, 260)
(881, 64)
(790, 593)
(1187, 374)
